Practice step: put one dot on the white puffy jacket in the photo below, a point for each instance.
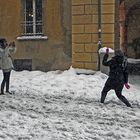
(5, 58)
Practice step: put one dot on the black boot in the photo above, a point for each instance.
(103, 96)
(125, 101)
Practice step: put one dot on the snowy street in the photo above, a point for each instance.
(60, 105)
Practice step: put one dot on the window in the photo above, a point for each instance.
(32, 18)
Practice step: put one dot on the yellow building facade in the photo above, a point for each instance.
(69, 33)
(86, 30)
(44, 41)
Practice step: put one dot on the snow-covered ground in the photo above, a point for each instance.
(65, 106)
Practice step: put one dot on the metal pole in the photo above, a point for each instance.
(34, 17)
(99, 32)
(117, 25)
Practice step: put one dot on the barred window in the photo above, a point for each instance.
(32, 18)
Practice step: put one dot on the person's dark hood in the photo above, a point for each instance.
(2, 43)
(119, 52)
(118, 59)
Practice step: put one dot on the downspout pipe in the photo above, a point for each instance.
(99, 32)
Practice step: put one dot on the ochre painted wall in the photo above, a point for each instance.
(108, 19)
(10, 19)
(85, 31)
(59, 16)
(50, 54)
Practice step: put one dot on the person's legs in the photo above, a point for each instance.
(3, 83)
(118, 92)
(7, 81)
(103, 96)
(104, 91)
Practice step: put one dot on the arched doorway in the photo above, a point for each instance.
(130, 28)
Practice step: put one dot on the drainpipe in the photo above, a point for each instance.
(99, 32)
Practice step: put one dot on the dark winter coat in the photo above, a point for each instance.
(118, 74)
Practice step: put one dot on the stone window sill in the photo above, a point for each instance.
(32, 38)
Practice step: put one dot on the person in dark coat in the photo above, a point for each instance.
(118, 75)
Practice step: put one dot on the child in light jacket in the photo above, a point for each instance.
(6, 63)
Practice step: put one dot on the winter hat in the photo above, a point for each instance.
(2, 40)
(119, 52)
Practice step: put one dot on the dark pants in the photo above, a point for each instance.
(6, 79)
(117, 86)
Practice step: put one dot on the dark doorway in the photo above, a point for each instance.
(130, 28)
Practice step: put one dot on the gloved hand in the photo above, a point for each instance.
(107, 51)
(127, 86)
(12, 44)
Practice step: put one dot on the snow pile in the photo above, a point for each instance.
(103, 50)
(31, 37)
(65, 106)
(134, 61)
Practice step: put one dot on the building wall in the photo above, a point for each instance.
(55, 52)
(108, 22)
(10, 19)
(132, 23)
(50, 54)
(85, 31)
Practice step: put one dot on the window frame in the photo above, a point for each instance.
(34, 34)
